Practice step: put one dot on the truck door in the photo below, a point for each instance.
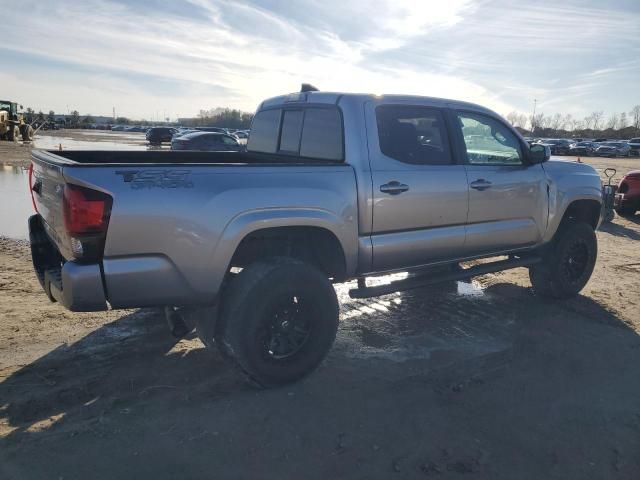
(507, 197)
(420, 194)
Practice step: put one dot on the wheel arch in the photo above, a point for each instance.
(328, 234)
(584, 210)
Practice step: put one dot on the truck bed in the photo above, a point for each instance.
(173, 219)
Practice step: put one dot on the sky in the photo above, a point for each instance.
(155, 58)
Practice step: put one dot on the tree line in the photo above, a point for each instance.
(616, 125)
(73, 119)
(218, 117)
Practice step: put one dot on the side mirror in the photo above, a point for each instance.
(539, 153)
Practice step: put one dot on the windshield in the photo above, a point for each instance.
(612, 144)
(5, 106)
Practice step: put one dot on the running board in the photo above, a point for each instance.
(425, 280)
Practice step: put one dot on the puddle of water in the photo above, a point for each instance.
(15, 202)
(110, 142)
(470, 289)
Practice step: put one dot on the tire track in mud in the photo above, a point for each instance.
(461, 318)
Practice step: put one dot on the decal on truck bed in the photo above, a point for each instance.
(157, 178)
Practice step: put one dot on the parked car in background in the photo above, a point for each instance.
(158, 135)
(634, 146)
(206, 141)
(627, 200)
(242, 134)
(136, 128)
(212, 129)
(613, 149)
(582, 148)
(183, 131)
(558, 146)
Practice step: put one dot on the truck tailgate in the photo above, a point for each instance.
(47, 189)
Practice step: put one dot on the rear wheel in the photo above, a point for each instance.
(568, 263)
(278, 320)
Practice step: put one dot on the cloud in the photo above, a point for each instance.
(186, 55)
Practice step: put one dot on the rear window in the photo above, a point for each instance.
(264, 132)
(313, 132)
(291, 130)
(634, 140)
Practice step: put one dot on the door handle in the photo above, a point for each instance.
(480, 184)
(394, 188)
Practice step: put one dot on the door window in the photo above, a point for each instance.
(488, 141)
(413, 134)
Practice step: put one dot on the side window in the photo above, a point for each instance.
(413, 134)
(229, 141)
(291, 129)
(264, 132)
(488, 141)
(322, 134)
(207, 141)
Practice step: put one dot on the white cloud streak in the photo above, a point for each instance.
(236, 53)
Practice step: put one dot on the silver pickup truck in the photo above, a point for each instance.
(244, 246)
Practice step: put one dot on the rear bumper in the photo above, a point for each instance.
(131, 282)
(76, 286)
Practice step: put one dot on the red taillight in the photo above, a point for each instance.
(85, 210)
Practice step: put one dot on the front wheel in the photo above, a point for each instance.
(568, 263)
(14, 134)
(278, 320)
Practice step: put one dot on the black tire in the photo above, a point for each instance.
(626, 211)
(27, 133)
(278, 320)
(13, 134)
(568, 263)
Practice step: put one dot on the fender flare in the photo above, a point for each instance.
(250, 221)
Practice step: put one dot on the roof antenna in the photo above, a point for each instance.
(307, 87)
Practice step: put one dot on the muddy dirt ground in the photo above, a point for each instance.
(480, 380)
